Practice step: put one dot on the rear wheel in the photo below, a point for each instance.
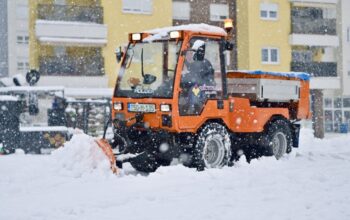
(213, 147)
(279, 137)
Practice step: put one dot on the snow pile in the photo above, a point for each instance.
(311, 183)
(81, 155)
(8, 98)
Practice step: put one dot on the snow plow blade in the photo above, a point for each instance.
(107, 150)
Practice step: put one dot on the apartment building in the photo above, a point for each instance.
(337, 102)
(316, 49)
(212, 12)
(14, 37)
(263, 28)
(72, 42)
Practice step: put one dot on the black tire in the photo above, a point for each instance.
(279, 138)
(212, 148)
(145, 162)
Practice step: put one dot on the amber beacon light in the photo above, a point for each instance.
(228, 24)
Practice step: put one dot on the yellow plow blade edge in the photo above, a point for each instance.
(107, 150)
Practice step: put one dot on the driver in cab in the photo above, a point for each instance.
(198, 73)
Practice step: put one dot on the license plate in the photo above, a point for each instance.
(132, 107)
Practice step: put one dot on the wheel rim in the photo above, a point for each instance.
(279, 144)
(214, 152)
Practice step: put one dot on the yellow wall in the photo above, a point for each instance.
(37, 50)
(120, 24)
(253, 34)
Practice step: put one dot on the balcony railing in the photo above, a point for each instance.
(317, 26)
(317, 69)
(72, 66)
(93, 14)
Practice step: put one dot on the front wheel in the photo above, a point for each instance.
(212, 148)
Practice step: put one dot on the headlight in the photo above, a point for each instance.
(165, 108)
(175, 34)
(136, 36)
(118, 106)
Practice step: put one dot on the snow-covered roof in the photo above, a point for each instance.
(7, 81)
(160, 33)
(32, 89)
(8, 98)
(67, 40)
(299, 75)
(89, 92)
(43, 128)
(60, 90)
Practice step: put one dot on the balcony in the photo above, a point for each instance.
(315, 1)
(316, 69)
(311, 26)
(71, 66)
(92, 14)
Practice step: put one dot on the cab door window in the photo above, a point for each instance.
(201, 77)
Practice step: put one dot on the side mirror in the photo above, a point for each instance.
(32, 77)
(119, 54)
(228, 46)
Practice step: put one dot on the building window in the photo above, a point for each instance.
(270, 56)
(346, 102)
(268, 11)
(218, 12)
(328, 103)
(22, 39)
(329, 13)
(181, 10)
(137, 6)
(337, 103)
(22, 66)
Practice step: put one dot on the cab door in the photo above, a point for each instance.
(197, 96)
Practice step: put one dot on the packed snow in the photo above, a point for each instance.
(160, 33)
(8, 98)
(313, 182)
(298, 75)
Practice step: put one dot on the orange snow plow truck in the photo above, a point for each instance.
(175, 99)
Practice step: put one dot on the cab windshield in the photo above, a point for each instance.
(148, 70)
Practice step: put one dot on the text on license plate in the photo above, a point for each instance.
(133, 107)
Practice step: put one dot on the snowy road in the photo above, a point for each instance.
(313, 182)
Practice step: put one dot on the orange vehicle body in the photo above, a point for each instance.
(252, 119)
(238, 114)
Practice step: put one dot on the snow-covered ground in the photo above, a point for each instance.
(313, 182)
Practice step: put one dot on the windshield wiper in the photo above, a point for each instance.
(142, 71)
(147, 78)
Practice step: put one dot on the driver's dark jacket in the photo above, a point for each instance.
(200, 73)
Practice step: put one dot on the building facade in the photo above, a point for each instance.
(337, 102)
(263, 28)
(3, 39)
(301, 35)
(14, 37)
(73, 42)
(212, 12)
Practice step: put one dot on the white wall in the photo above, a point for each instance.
(345, 64)
(329, 54)
(18, 23)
